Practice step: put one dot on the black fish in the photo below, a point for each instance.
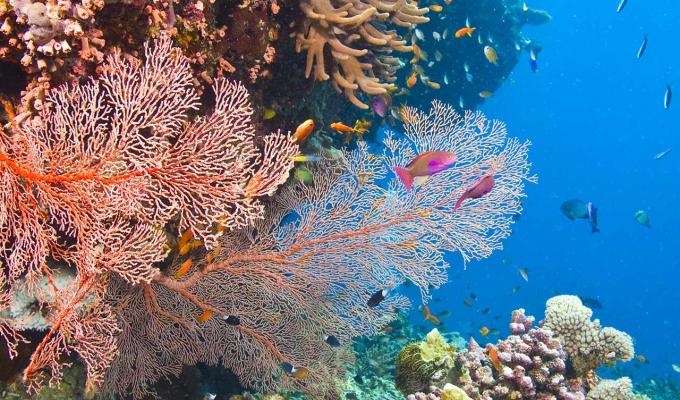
(667, 97)
(642, 48)
(232, 320)
(486, 310)
(377, 298)
(590, 302)
(621, 5)
(332, 341)
(287, 367)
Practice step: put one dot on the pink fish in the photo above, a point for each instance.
(479, 189)
(425, 165)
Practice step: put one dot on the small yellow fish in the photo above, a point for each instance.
(303, 175)
(485, 94)
(436, 8)
(305, 158)
(433, 85)
(269, 113)
(484, 331)
(491, 55)
(301, 373)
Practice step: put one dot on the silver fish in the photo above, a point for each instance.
(667, 97)
(642, 48)
(445, 34)
(446, 79)
(662, 154)
(436, 36)
(621, 5)
(419, 34)
(460, 102)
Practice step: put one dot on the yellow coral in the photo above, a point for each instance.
(417, 363)
(452, 392)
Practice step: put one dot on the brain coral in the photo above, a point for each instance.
(587, 344)
(359, 40)
(620, 389)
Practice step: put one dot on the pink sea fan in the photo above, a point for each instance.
(308, 268)
(92, 181)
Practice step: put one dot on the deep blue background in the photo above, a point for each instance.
(595, 116)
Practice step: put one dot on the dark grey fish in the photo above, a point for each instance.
(667, 97)
(574, 208)
(590, 302)
(377, 298)
(232, 320)
(332, 341)
(622, 4)
(643, 47)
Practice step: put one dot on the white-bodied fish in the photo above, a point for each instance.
(676, 368)
(518, 47)
(622, 4)
(446, 79)
(467, 22)
(438, 55)
(662, 154)
(430, 64)
(479, 39)
(667, 97)
(437, 36)
(466, 67)
(419, 34)
(461, 103)
(524, 273)
(445, 34)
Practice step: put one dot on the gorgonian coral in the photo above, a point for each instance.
(272, 292)
(360, 44)
(92, 181)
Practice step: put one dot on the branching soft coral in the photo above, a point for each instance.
(272, 292)
(360, 45)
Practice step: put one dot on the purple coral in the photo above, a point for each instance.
(531, 365)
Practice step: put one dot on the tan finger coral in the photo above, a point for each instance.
(586, 343)
(359, 42)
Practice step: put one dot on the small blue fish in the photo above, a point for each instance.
(331, 341)
(622, 4)
(643, 47)
(592, 217)
(287, 367)
(667, 97)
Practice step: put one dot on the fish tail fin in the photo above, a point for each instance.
(458, 203)
(469, 33)
(405, 177)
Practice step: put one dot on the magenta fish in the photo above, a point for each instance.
(380, 104)
(479, 189)
(425, 165)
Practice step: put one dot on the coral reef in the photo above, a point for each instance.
(92, 181)
(587, 344)
(360, 45)
(620, 389)
(535, 363)
(420, 364)
(262, 302)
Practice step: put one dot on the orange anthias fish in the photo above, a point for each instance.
(303, 131)
(493, 355)
(428, 316)
(412, 80)
(479, 189)
(185, 238)
(484, 331)
(205, 316)
(464, 31)
(183, 269)
(425, 165)
(340, 127)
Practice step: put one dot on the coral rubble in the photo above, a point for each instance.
(360, 44)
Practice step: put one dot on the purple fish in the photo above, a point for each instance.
(379, 105)
(426, 164)
(479, 189)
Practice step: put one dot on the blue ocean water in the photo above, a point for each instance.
(596, 118)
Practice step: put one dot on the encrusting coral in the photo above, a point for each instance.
(360, 44)
(587, 344)
(419, 364)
